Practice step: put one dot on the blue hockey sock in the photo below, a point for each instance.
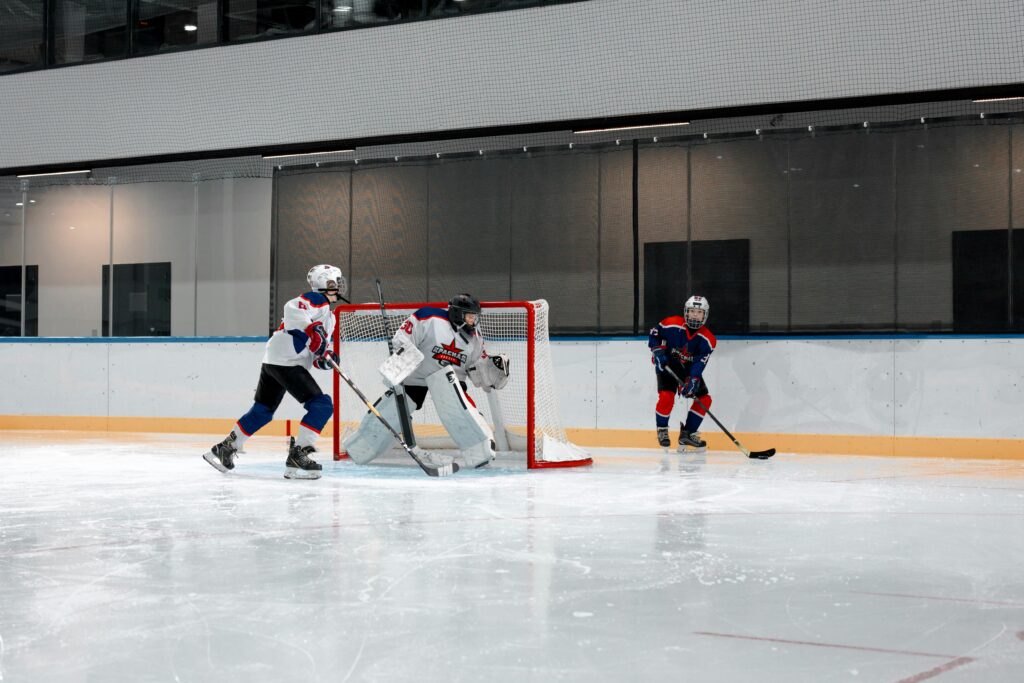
(254, 420)
(318, 411)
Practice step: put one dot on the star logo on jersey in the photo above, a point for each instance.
(449, 354)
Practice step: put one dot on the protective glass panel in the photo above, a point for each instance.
(949, 180)
(233, 257)
(469, 237)
(313, 226)
(68, 237)
(615, 266)
(11, 209)
(843, 235)
(389, 233)
(740, 192)
(664, 194)
(555, 214)
(1017, 221)
(154, 223)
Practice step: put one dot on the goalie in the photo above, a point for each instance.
(437, 350)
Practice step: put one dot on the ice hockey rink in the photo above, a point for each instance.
(128, 558)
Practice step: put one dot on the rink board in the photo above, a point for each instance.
(898, 396)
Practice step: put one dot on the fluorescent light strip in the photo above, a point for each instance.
(999, 99)
(308, 154)
(42, 175)
(609, 130)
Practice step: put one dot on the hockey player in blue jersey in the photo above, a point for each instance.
(682, 344)
(301, 342)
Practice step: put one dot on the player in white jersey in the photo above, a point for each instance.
(302, 341)
(438, 349)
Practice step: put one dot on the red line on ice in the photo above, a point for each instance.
(833, 645)
(932, 673)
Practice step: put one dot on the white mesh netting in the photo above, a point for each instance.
(526, 407)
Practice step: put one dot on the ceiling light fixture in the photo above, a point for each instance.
(999, 99)
(609, 130)
(43, 175)
(308, 154)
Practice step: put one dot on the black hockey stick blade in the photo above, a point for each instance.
(761, 455)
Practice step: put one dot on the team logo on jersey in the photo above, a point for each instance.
(449, 354)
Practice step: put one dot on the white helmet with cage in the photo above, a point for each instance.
(325, 277)
(696, 312)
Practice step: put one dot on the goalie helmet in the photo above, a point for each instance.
(325, 277)
(458, 307)
(696, 312)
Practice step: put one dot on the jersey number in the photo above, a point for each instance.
(407, 327)
(303, 306)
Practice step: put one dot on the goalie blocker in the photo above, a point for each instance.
(471, 434)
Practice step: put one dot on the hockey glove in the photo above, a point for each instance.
(324, 362)
(660, 358)
(690, 387)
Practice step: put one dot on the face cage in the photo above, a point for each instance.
(695, 324)
(463, 312)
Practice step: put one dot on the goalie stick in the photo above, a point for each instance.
(442, 471)
(756, 455)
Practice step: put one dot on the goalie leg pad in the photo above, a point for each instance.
(372, 438)
(458, 415)
(476, 456)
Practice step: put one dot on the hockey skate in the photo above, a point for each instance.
(663, 439)
(222, 456)
(299, 465)
(691, 442)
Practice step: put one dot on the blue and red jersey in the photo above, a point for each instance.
(692, 348)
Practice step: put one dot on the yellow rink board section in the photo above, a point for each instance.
(838, 444)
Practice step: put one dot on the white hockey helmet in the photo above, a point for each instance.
(696, 312)
(325, 277)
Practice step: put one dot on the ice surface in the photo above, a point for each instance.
(128, 558)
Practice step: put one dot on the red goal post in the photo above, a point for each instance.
(524, 415)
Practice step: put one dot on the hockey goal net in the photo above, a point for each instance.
(524, 414)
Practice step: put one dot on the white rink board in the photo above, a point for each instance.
(910, 387)
(54, 379)
(805, 387)
(960, 388)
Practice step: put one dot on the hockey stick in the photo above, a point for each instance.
(442, 471)
(403, 409)
(756, 455)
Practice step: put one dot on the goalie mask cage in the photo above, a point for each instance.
(524, 414)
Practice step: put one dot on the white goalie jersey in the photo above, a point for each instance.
(429, 331)
(305, 331)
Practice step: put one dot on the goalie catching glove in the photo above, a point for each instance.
(490, 372)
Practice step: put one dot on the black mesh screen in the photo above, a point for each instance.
(866, 229)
